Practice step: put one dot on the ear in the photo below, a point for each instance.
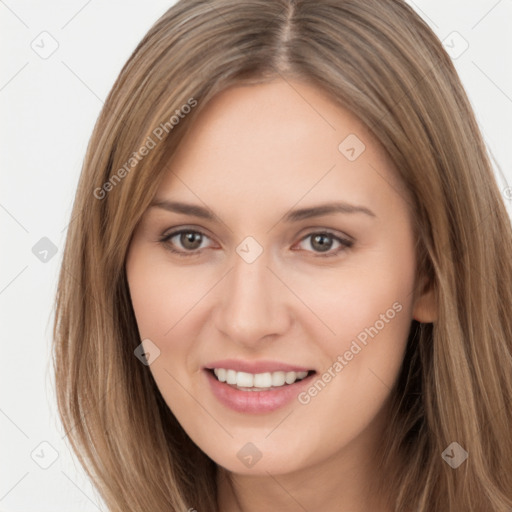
(425, 305)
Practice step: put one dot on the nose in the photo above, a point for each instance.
(254, 305)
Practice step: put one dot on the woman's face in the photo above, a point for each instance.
(279, 243)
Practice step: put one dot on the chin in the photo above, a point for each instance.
(252, 459)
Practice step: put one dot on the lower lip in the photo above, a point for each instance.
(255, 401)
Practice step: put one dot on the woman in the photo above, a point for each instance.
(290, 286)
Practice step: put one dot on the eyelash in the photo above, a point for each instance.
(344, 243)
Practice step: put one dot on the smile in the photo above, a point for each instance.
(256, 387)
(257, 382)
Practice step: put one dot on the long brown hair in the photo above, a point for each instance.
(381, 61)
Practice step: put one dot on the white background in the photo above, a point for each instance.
(48, 108)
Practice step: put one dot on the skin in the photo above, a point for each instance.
(255, 153)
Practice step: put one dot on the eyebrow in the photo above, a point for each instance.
(291, 216)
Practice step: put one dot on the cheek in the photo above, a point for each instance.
(167, 307)
(162, 295)
(367, 306)
(367, 297)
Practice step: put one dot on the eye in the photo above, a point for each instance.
(188, 241)
(322, 243)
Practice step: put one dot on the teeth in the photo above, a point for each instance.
(278, 379)
(221, 374)
(244, 380)
(263, 380)
(290, 377)
(259, 380)
(231, 376)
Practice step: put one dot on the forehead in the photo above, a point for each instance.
(279, 143)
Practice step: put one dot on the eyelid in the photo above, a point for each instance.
(185, 229)
(327, 231)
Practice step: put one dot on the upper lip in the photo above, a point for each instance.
(255, 367)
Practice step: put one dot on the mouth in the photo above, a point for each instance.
(258, 382)
(268, 387)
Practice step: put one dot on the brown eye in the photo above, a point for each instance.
(325, 244)
(191, 240)
(322, 242)
(185, 242)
